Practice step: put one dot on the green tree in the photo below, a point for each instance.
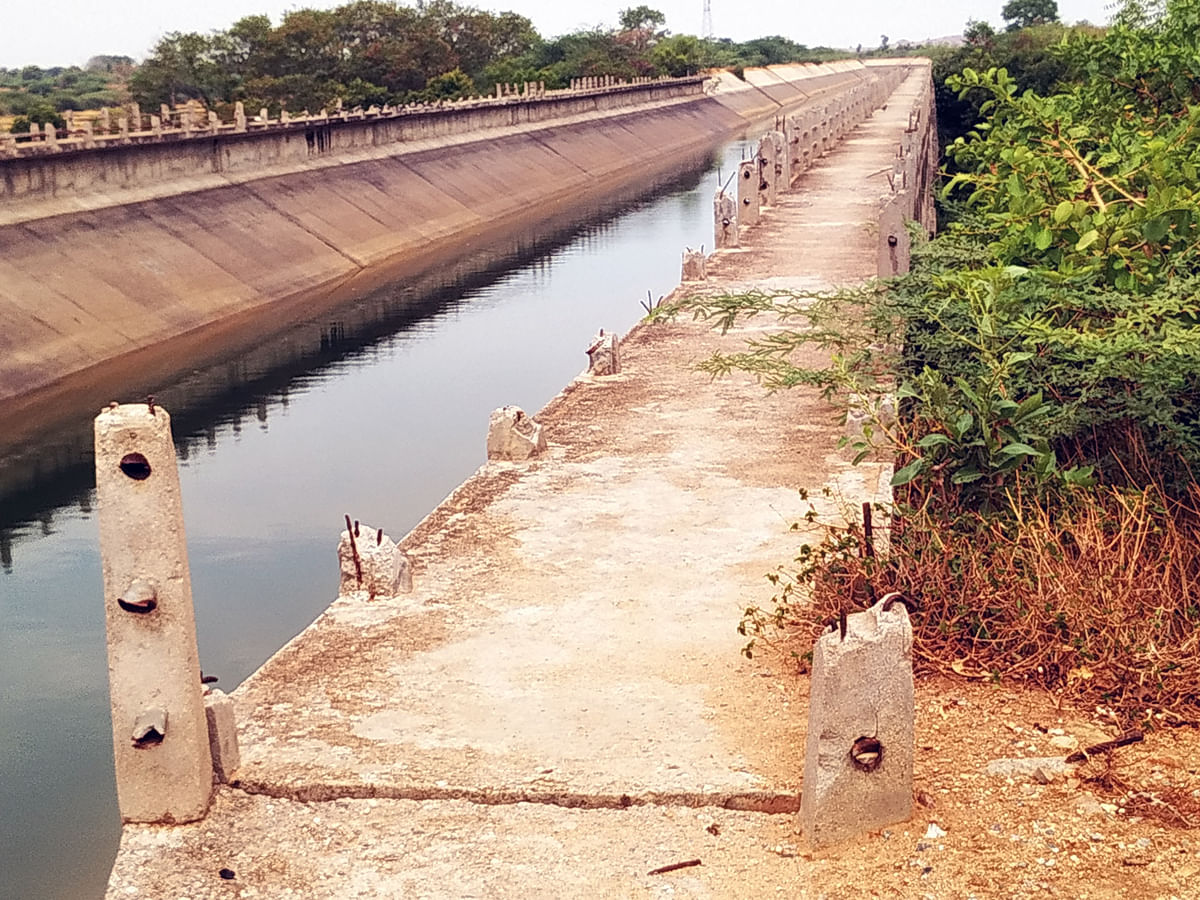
(182, 67)
(641, 18)
(40, 112)
(452, 85)
(680, 54)
(979, 34)
(1024, 13)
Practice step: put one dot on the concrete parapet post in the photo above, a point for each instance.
(89, 137)
(371, 561)
(160, 731)
(725, 221)
(748, 182)
(135, 117)
(604, 355)
(512, 435)
(767, 180)
(239, 116)
(783, 178)
(895, 246)
(858, 761)
(791, 150)
(694, 268)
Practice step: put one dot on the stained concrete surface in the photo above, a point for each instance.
(570, 639)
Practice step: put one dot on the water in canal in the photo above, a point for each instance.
(378, 409)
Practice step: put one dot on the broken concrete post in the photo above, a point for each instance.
(604, 355)
(766, 171)
(371, 561)
(512, 435)
(748, 181)
(725, 221)
(222, 735)
(858, 763)
(160, 732)
(694, 268)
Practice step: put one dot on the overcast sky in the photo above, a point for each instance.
(67, 32)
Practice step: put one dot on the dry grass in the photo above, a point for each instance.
(1096, 599)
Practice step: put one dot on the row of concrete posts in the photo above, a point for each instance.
(786, 152)
(910, 186)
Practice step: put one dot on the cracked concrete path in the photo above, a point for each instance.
(561, 705)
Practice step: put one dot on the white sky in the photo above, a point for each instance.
(67, 32)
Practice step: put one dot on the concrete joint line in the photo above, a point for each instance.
(358, 264)
(769, 802)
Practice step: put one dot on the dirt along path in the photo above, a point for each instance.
(560, 706)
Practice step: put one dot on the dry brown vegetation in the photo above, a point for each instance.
(1096, 599)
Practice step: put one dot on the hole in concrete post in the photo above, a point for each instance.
(135, 466)
(150, 728)
(746, 174)
(141, 597)
(866, 754)
(892, 240)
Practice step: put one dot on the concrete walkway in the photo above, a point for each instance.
(560, 706)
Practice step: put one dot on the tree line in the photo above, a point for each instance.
(375, 52)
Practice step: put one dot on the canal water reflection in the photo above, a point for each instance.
(378, 409)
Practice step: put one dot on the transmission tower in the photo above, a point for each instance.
(706, 26)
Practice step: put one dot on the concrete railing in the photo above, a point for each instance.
(910, 182)
(121, 154)
(795, 144)
(129, 125)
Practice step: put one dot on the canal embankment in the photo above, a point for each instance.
(559, 706)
